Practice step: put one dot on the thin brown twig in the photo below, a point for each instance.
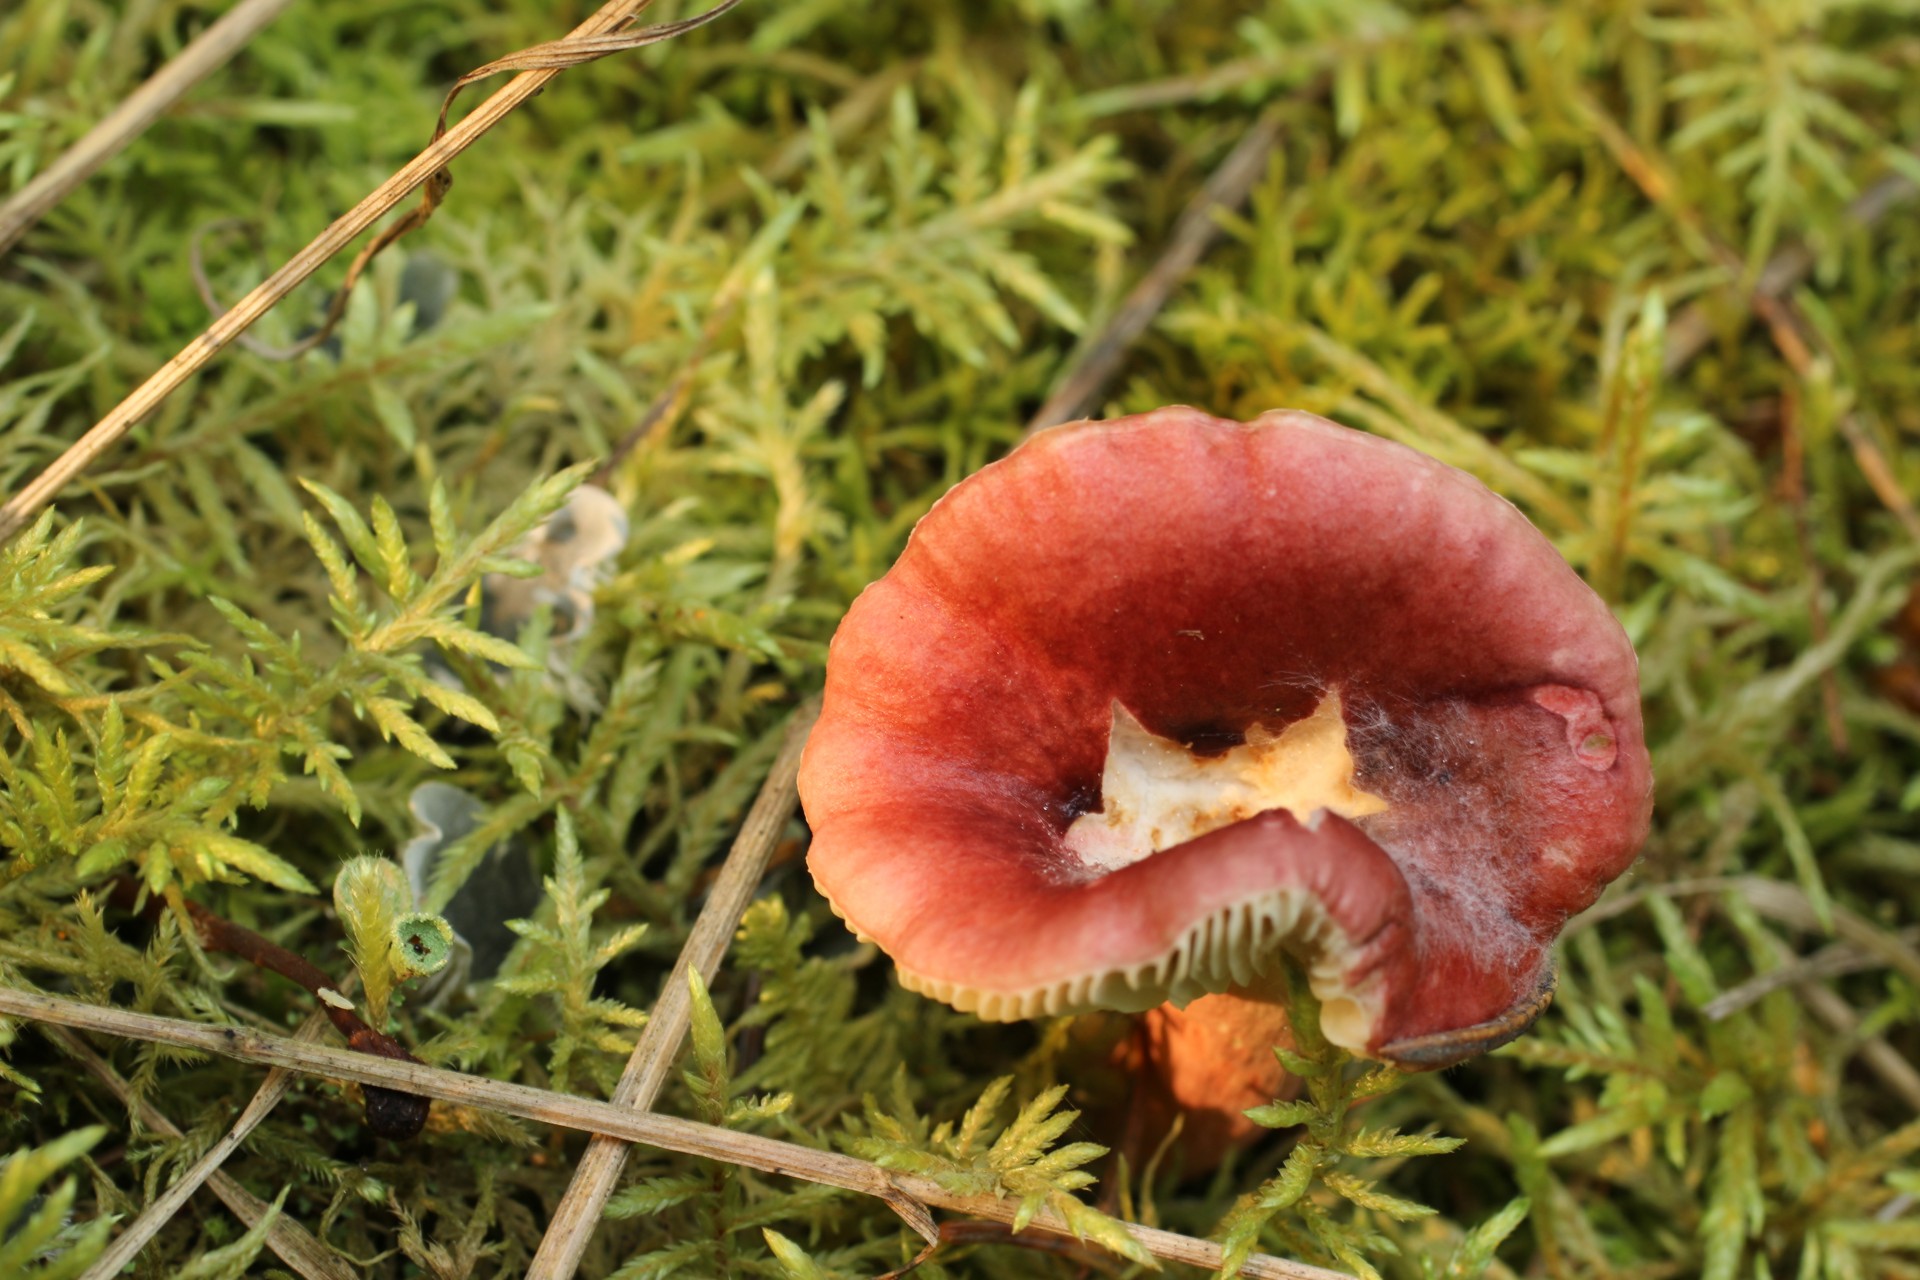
(1655, 179)
(295, 1245)
(1833, 961)
(203, 285)
(1790, 905)
(1776, 900)
(1241, 74)
(667, 1133)
(389, 1114)
(1791, 337)
(1881, 1058)
(204, 54)
(1692, 328)
(667, 406)
(1080, 383)
(1873, 464)
(1768, 297)
(551, 56)
(851, 113)
(196, 355)
(571, 1228)
(1793, 474)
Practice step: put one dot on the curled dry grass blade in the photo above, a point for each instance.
(595, 38)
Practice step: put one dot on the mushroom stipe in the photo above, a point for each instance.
(1330, 698)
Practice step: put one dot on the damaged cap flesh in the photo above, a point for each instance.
(1150, 702)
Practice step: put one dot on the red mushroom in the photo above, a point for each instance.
(1151, 701)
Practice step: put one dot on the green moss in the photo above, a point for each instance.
(863, 241)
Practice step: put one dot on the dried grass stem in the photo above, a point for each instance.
(668, 1133)
(205, 54)
(413, 175)
(295, 1245)
(571, 1227)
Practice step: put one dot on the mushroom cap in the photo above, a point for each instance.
(1211, 578)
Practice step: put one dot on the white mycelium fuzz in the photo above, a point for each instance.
(1156, 794)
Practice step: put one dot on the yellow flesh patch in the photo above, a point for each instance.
(1156, 794)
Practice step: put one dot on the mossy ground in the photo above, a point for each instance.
(1518, 236)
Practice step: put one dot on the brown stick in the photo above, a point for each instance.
(1794, 473)
(1224, 78)
(672, 399)
(571, 1228)
(668, 1133)
(1881, 1058)
(196, 355)
(1080, 384)
(1692, 328)
(553, 56)
(389, 1114)
(850, 114)
(296, 1245)
(205, 54)
(1767, 300)
(1873, 464)
(1833, 961)
(1777, 900)
(1790, 905)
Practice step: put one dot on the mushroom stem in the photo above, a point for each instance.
(1212, 1061)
